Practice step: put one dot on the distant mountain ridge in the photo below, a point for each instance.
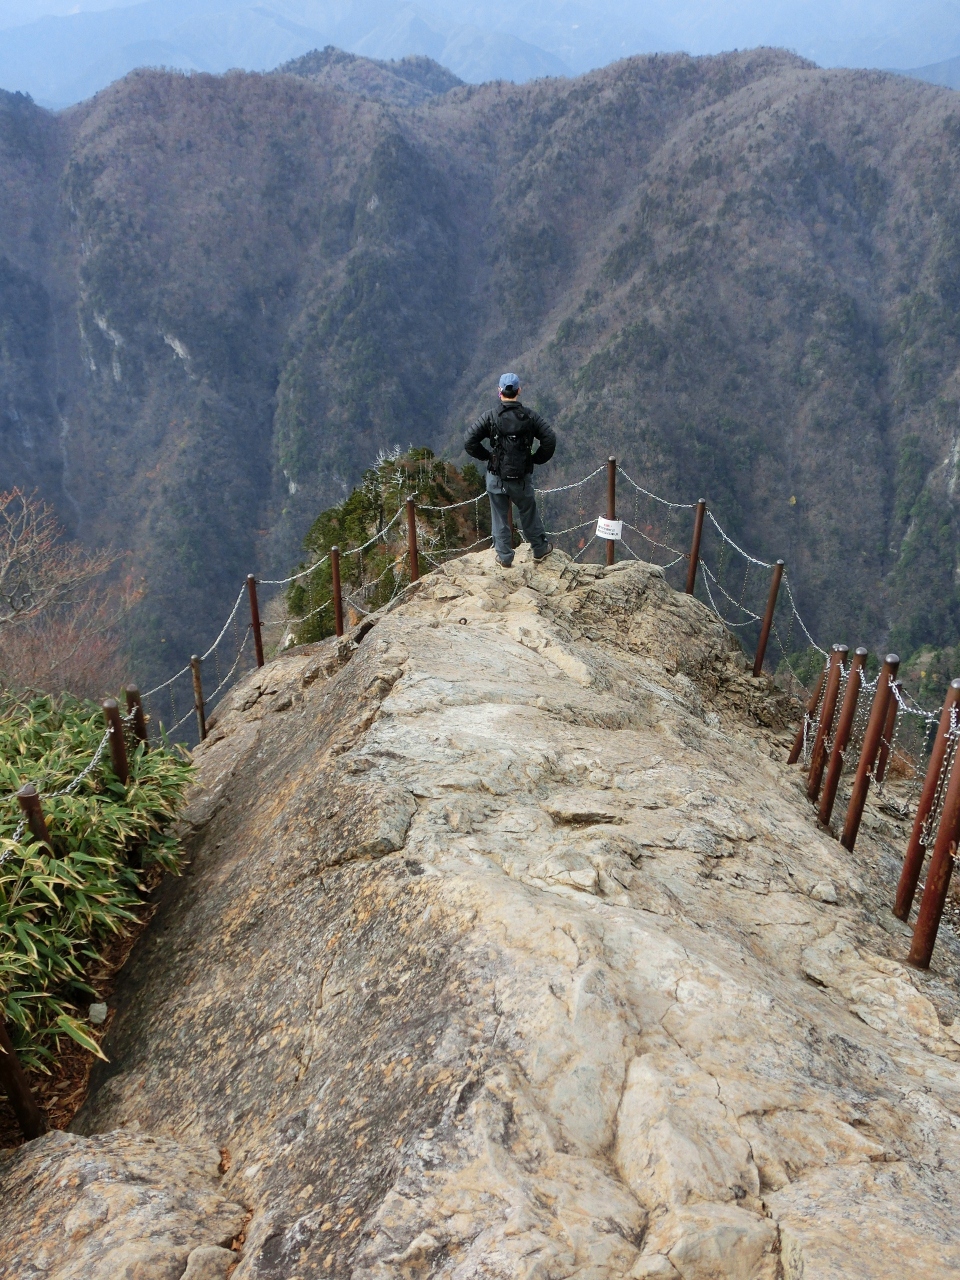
(80, 48)
(408, 82)
(946, 73)
(63, 60)
(221, 296)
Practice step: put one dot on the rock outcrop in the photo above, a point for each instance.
(509, 948)
(121, 1206)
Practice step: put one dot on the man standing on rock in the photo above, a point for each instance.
(510, 460)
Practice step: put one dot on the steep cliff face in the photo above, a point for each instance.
(32, 265)
(509, 947)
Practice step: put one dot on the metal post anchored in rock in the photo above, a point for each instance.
(337, 590)
(695, 546)
(841, 738)
(412, 540)
(255, 617)
(198, 706)
(828, 709)
(14, 1083)
(29, 802)
(938, 874)
(868, 752)
(768, 618)
(611, 503)
(797, 749)
(135, 708)
(916, 849)
(118, 748)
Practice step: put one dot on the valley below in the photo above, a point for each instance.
(221, 296)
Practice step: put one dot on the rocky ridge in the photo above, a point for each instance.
(509, 947)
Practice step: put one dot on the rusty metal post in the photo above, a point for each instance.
(118, 748)
(337, 590)
(818, 756)
(868, 752)
(255, 617)
(412, 540)
(768, 618)
(611, 504)
(848, 710)
(797, 749)
(14, 1083)
(695, 546)
(198, 696)
(886, 741)
(913, 862)
(29, 802)
(938, 874)
(135, 708)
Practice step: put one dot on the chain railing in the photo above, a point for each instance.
(854, 732)
(31, 795)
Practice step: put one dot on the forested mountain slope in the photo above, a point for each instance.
(219, 296)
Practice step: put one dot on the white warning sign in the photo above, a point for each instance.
(612, 530)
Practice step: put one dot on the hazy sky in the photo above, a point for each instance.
(80, 46)
(29, 10)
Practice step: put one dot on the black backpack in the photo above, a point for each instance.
(511, 441)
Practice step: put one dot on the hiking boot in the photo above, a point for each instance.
(543, 555)
(508, 564)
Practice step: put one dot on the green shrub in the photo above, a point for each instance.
(58, 907)
(371, 579)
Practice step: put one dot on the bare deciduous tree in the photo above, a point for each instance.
(58, 614)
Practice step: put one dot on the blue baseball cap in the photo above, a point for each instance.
(510, 383)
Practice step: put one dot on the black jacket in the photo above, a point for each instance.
(485, 427)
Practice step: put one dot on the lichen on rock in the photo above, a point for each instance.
(113, 1206)
(504, 950)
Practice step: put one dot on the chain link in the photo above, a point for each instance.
(796, 614)
(916, 709)
(453, 506)
(167, 683)
(762, 564)
(748, 621)
(810, 718)
(677, 506)
(664, 546)
(382, 533)
(562, 488)
(283, 582)
(226, 679)
(69, 790)
(557, 533)
(223, 630)
(72, 786)
(58, 795)
(453, 553)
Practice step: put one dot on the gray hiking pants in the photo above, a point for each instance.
(520, 493)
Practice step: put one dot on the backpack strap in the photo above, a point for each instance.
(522, 415)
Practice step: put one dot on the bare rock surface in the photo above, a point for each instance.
(505, 950)
(122, 1206)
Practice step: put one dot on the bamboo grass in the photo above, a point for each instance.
(57, 908)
